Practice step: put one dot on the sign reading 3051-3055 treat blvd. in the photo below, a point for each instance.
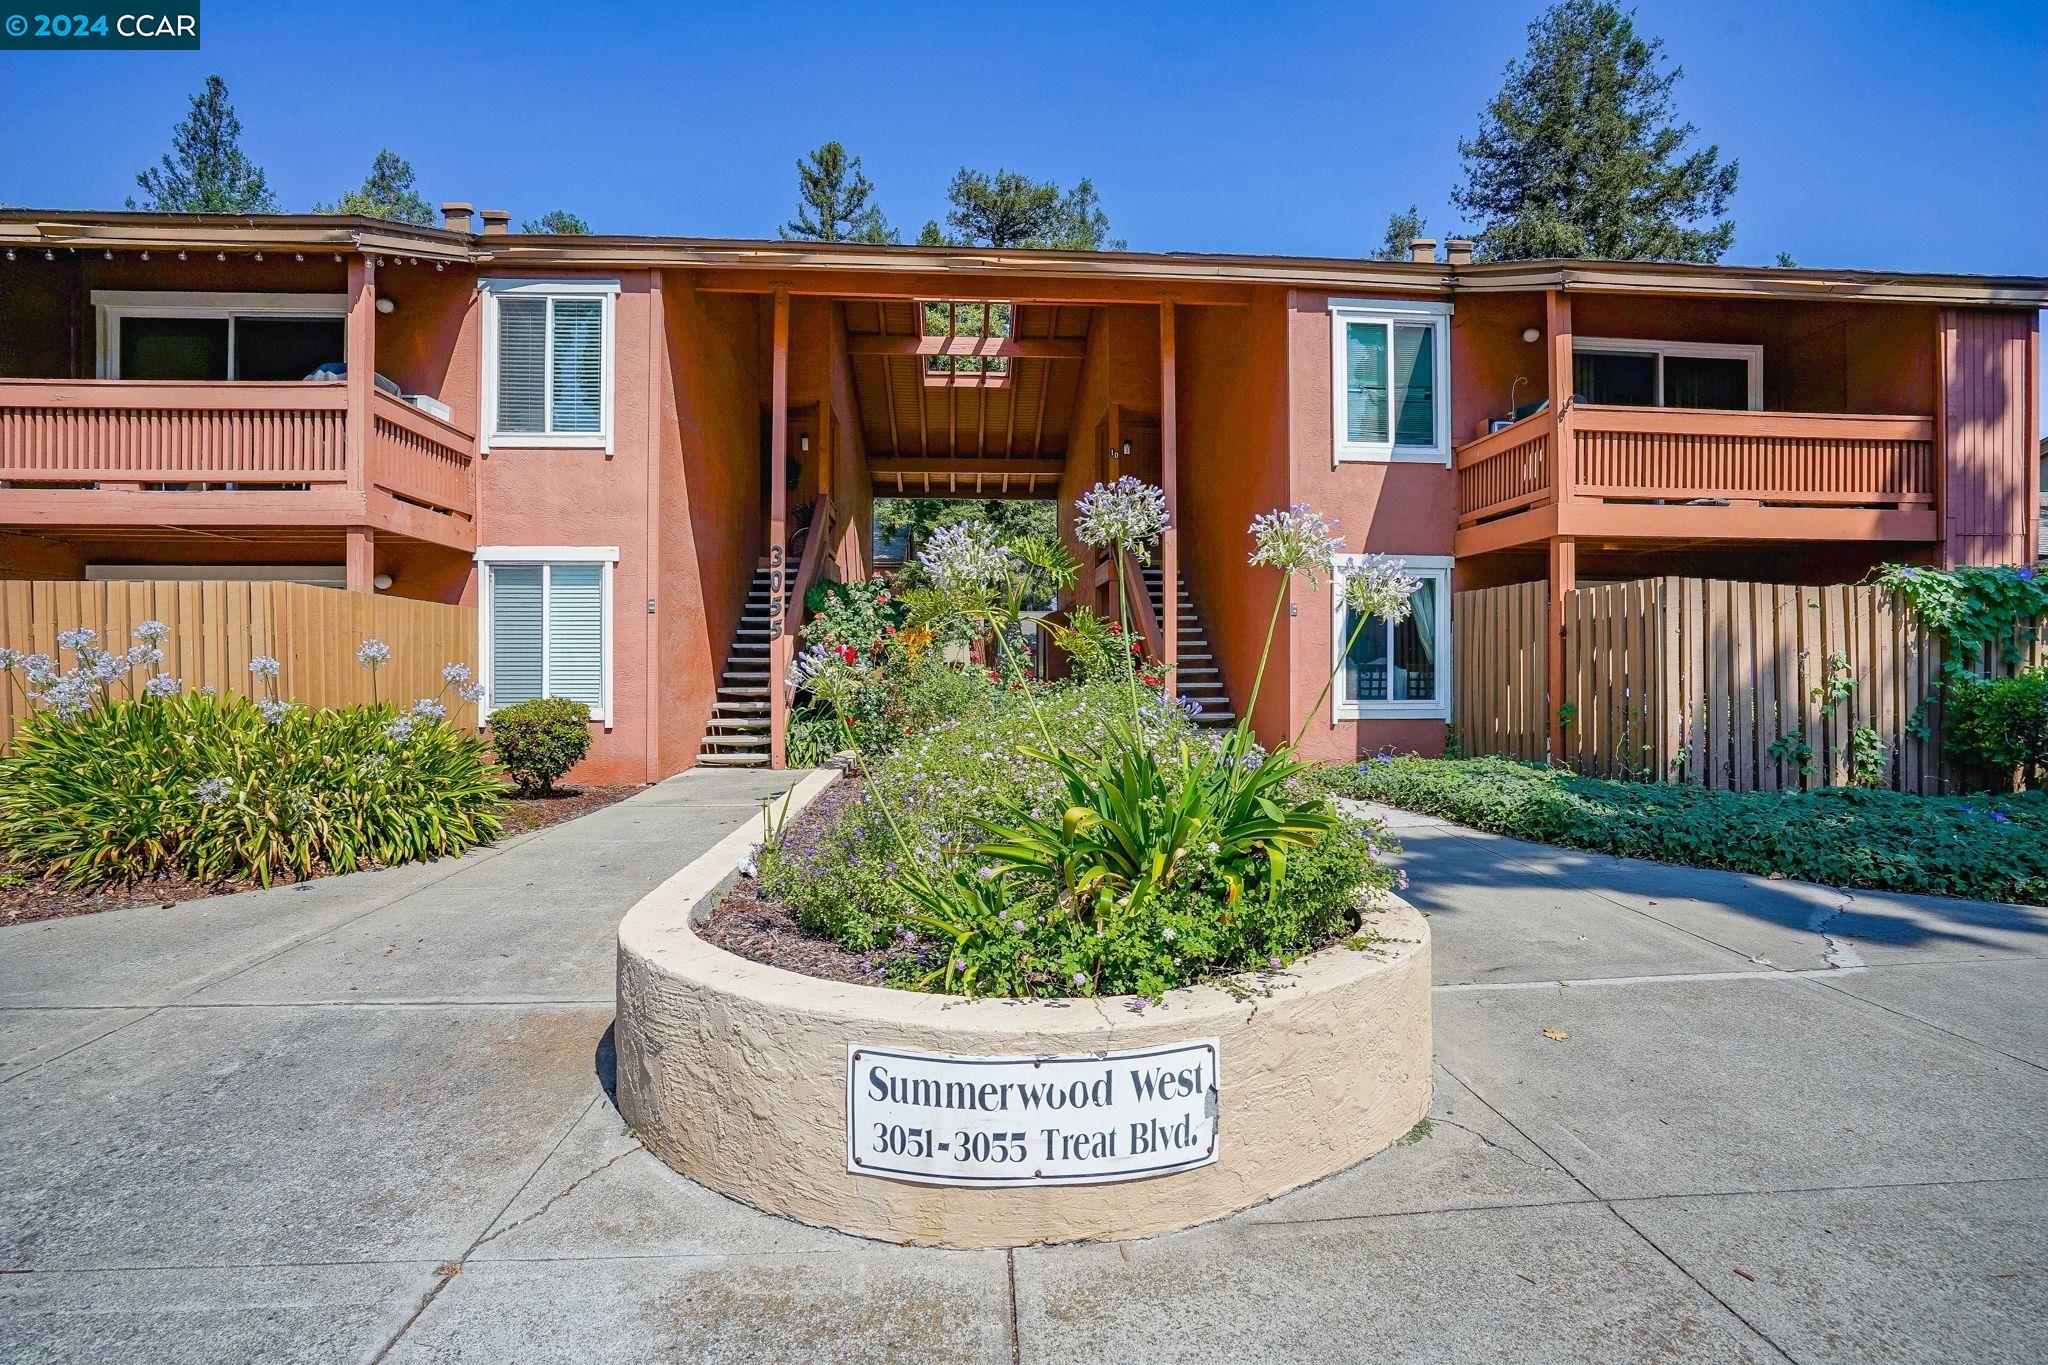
(948, 1120)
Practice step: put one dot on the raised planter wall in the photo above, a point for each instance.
(735, 1074)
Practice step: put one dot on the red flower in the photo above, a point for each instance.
(849, 653)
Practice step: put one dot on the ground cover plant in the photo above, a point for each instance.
(119, 774)
(1080, 838)
(1981, 847)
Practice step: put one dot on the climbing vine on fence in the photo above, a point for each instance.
(1970, 608)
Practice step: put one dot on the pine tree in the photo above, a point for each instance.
(1403, 227)
(206, 170)
(388, 191)
(1580, 154)
(557, 222)
(833, 201)
(1012, 210)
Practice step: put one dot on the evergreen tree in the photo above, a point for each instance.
(1785, 261)
(388, 191)
(1403, 227)
(1011, 210)
(558, 222)
(206, 170)
(1580, 154)
(833, 201)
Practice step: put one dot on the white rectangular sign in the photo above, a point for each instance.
(940, 1119)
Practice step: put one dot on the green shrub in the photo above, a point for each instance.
(539, 741)
(224, 788)
(1999, 725)
(1987, 848)
(840, 871)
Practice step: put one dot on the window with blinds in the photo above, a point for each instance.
(1391, 402)
(547, 633)
(552, 368)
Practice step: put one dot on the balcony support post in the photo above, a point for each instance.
(779, 645)
(1563, 580)
(1169, 483)
(1557, 333)
(361, 559)
(360, 352)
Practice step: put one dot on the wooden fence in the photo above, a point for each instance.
(1742, 686)
(217, 627)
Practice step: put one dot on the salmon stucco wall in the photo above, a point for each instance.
(1232, 380)
(1400, 509)
(709, 523)
(585, 496)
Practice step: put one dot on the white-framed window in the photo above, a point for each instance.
(177, 334)
(1668, 374)
(548, 360)
(1390, 368)
(546, 622)
(1396, 670)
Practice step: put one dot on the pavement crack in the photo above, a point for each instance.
(1496, 1145)
(555, 1198)
(1840, 953)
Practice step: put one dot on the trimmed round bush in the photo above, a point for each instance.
(537, 742)
(1999, 726)
(222, 788)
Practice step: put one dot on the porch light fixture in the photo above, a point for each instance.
(181, 255)
(387, 305)
(220, 255)
(49, 255)
(108, 254)
(382, 582)
(1532, 335)
(803, 443)
(298, 255)
(259, 258)
(145, 255)
(10, 253)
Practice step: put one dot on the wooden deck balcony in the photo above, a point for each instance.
(114, 453)
(1668, 474)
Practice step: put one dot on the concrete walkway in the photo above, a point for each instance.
(364, 1120)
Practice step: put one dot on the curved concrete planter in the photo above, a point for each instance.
(735, 1074)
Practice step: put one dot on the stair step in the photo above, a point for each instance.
(711, 760)
(739, 724)
(735, 691)
(737, 741)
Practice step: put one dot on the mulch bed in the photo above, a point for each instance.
(26, 898)
(750, 924)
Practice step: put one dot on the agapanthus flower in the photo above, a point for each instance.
(152, 632)
(273, 709)
(963, 558)
(144, 656)
(828, 674)
(263, 666)
(398, 729)
(69, 697)
(1299, 540)
(10, 659)
(471, 692)
(78, 637)
(1377, 585)
(1128, 515)
(211, 791)
(162, 685)
(373, 654)
(455, 675)
(428, 710)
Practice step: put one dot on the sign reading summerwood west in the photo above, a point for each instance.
(941, 1119)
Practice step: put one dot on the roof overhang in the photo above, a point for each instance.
(971, 266)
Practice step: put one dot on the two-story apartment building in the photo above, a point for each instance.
(615, 447)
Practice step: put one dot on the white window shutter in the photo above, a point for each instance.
(522, 365)
(515, 633)
(577, 404)
(576, 633)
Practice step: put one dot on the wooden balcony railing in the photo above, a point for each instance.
(1505, 471)
(1615, 470)
(280, 452)
(419, 458)
(1787, 458)
(139, 433)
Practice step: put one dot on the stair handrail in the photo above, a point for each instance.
(1142, 616)
(824, 513)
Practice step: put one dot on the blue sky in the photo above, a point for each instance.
(1886, 135)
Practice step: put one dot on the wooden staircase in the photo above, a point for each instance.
(1197, 677)
(737, 736)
